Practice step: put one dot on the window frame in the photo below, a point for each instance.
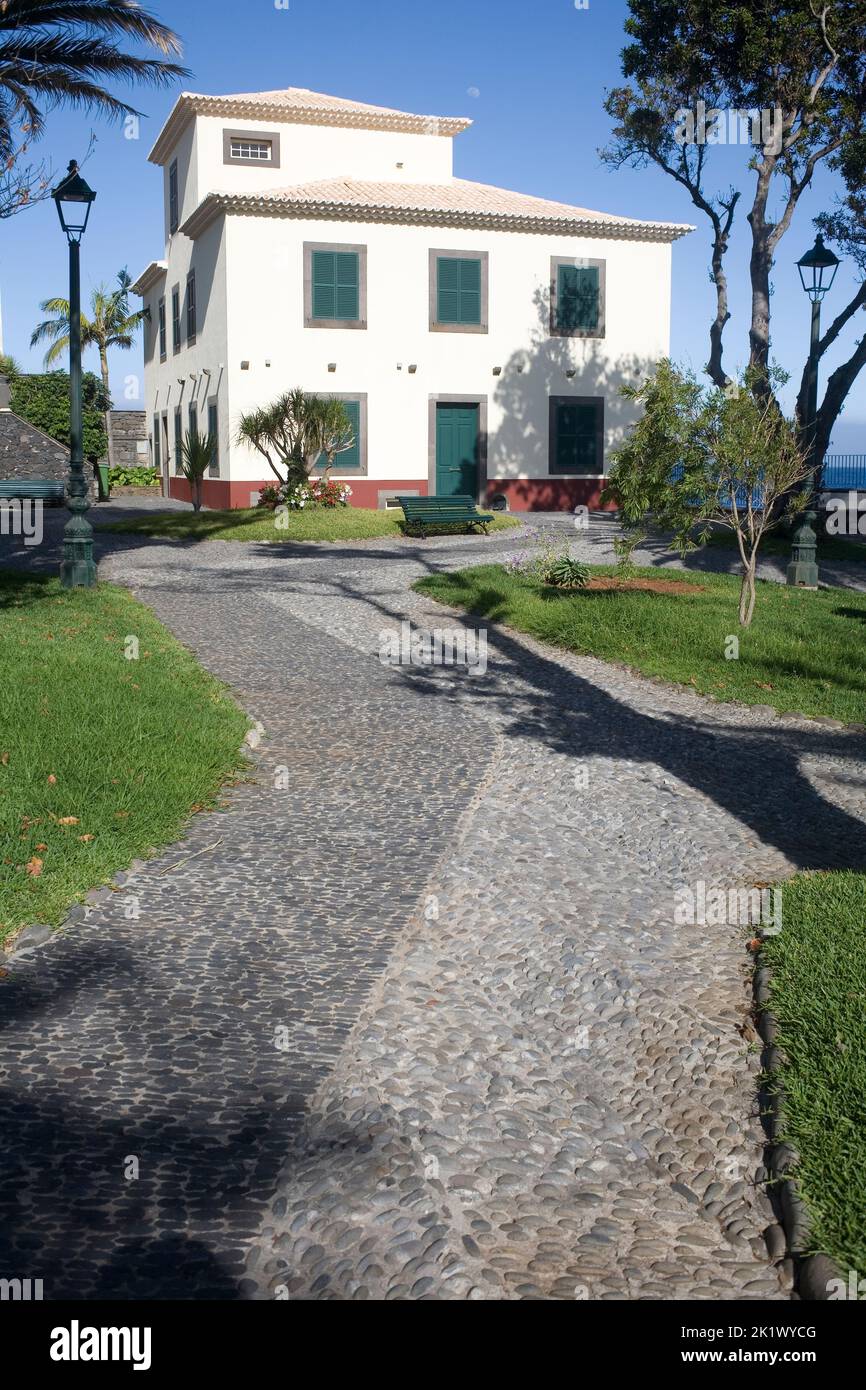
(598, 403)
(446, 253)
(178, 437)
(338, 248)
(176, 331)
(361, 470)
(162, 337)
(191, 309)
(213, 415)
(155, 443)
(173, 198)
(580, 263)
(255, 137)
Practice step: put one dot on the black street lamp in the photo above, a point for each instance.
(817, 272)
(77, 568)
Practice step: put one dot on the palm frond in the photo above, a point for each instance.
(111, 16)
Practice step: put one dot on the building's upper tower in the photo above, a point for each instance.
(257, 142)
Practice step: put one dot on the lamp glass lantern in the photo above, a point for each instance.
(817, 270)
(73, 199)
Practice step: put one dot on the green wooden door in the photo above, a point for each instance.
(456, 450)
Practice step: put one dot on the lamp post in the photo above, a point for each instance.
(77, 569)
(817, 273)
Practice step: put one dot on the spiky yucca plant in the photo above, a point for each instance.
(197, 452)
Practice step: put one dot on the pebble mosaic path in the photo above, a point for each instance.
(414, 1019)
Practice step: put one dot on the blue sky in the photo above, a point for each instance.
(531, 76)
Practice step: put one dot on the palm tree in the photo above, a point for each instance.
(111, 325)
(54, 52)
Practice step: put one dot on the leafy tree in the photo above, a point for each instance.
(197, 452)
(700, 457)
(294, 431)
(111, 325)
(795, 72)
(59, 52)
(44, 401)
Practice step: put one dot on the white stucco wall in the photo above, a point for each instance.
(163, 389)
(309, 152)
(266, 323)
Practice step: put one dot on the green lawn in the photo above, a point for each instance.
(818, 995)
(830, 548)
(804, 651)
(255, 524)
(101, 758)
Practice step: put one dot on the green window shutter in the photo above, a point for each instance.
(349, 458)
(336, 285)
(324, 285)
(348, 292)
(213, 429)
(178, 438)
(156, 460)
(458, 294)
(577, 298)
(576, 439)
(470, 291)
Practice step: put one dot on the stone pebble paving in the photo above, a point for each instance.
(511, 1075)
(550, 1094)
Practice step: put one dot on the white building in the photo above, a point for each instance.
(478, 336)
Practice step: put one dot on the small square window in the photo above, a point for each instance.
(261, 147)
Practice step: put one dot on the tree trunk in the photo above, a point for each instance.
(196, 494)
(747, 592)
(103, 367)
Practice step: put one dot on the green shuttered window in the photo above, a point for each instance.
(577, 298)
(336, 285)
(458, 290)
(349, 458)
(576, 446)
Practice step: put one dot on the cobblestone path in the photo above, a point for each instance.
(508, 1073)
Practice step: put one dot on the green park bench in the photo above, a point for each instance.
(421, 512)
(31, 490)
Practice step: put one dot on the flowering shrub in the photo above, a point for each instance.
(315, 492)
(549, 562)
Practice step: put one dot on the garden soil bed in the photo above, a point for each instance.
(654, 586)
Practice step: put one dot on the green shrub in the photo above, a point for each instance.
(563, 572)
(43, 400)
(139, 476)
